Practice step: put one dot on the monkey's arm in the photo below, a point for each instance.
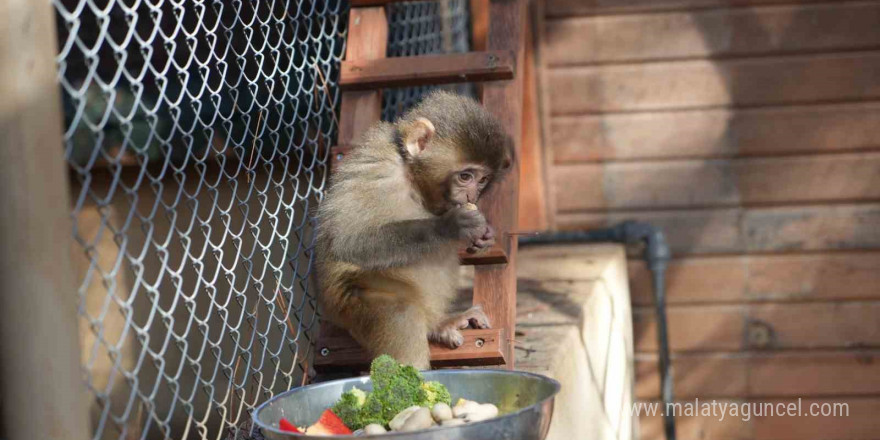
(393, 244)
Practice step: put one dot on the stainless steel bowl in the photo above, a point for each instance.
(524, 399)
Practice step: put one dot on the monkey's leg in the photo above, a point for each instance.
(449, 331)
(397, 330)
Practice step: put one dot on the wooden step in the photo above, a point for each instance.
(364, 74)
(337, 351)
(493, 255)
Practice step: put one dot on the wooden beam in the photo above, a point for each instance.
(838, 325)
(821, 27)
(495, 285)
(764, 374)
(367, 40)
(336, 350)
(493, 255)
(539, 21)
(820, 277)
(803, 130)
(662, 185)
(42, 390)
(532, 189)
(802, 228)
(479, 24)
(481, 347)
(708, 83)
(479, 31)
(426, 70)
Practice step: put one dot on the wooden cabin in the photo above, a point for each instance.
(749, 132)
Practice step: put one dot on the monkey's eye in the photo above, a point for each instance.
(484, 180)
(465, 177)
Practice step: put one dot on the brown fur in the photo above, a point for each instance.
(389, 228)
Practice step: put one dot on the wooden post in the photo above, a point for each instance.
(542, 102)
(367, 40)
(479, 24)
(495, 285)
(479, 31)
(43, 393)
(532, 202)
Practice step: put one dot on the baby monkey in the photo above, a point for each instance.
(398, 208)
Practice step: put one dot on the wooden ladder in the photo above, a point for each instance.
(498, 40)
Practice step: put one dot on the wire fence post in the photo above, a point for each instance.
(43, 394)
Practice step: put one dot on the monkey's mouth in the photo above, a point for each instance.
(457, 204)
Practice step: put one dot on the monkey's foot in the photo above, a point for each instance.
(473, 318)
(448, 333)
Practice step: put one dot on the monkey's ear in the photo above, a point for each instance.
(506, 164)
(417, 135)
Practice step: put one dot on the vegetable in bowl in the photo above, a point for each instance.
(400, 400)
(396, 387)
(525, 402)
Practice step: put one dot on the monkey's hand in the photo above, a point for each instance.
(484, 242)
(463, 224)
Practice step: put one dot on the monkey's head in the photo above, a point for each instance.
(455, 150)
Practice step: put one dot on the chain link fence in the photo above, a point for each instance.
(424, 28)
(197, 133)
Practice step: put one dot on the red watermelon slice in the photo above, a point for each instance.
(286, 426)
(328, 424)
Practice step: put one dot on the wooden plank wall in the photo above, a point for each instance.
(749, 130)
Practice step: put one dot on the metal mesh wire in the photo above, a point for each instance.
(197, 134)
(423, 28)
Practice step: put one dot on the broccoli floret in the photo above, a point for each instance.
(371, 412)
(349, 406)
(435, 392)
(382, 371)
(395, 387)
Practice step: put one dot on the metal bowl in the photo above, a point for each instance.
(525, 401)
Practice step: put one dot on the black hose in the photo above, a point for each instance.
(666, 392)
(657, 255)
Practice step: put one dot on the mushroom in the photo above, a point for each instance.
(441, 412)
(481, 412)
(464, 407)
(420, 419)
(397, 422)
(374, 429)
